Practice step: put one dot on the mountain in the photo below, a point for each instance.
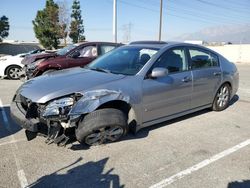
(234, 34)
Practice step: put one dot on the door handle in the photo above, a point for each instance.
(186, 79)
(217, 73)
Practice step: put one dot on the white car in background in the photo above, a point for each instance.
(10, 66)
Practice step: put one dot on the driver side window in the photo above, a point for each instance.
(174, 60)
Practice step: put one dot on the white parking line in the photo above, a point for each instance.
(5, 119)
(22, 178)
(200, 165)
(20, 173)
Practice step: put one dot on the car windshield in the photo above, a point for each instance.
(127, 61)
(65, 50)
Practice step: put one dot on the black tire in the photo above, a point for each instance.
(13, 71)
(98, 126)
(221, 101)
(48, 71)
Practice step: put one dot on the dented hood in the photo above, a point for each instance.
(33, 57)
(60, 83)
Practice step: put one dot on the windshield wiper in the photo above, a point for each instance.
(100, 69)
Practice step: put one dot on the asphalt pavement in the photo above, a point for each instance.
(204, 149)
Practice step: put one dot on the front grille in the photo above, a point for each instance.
(24, 102)
(32, 111)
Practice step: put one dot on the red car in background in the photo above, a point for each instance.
(75, 55)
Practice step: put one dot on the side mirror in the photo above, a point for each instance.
(159, 72)
(75, 54)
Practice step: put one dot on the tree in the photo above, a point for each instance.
(64, 19)
(46, 25)
(76, 25)
(4, 27)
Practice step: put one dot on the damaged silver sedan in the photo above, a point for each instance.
(132, 87)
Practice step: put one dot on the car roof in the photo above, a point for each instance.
(97, 42)
(163, 44)
(152, 44)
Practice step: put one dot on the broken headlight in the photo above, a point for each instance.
(58, 107)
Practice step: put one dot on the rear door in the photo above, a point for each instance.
(206, 76)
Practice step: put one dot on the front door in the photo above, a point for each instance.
(171, 94)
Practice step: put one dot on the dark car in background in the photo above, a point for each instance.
(75, 55)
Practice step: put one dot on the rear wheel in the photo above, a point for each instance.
(222, 98)
(102, 126)
(13, 72)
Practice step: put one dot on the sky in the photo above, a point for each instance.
(179, 17)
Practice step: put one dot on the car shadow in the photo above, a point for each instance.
(145, 131)
(239, 184)
(234, 100)
(10, 127)
(6, 78)
(90, 174)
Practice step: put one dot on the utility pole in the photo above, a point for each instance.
(160, 27)
(115, 21)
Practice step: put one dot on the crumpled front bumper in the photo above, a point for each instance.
(22, 75)
(18, 115)
(30, 73)
(34, 127)
(26, 73)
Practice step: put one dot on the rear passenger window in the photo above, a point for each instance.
(203, 59)
(106, 48)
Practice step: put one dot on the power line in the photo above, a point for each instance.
(219, 6)
(240, 3)
(206, 16)
(195, 12)
(199, 18)
(210, 14)
(138, 6)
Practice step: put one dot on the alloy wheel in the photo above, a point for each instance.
(223, 96)
(104, 134)
(14, 73)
